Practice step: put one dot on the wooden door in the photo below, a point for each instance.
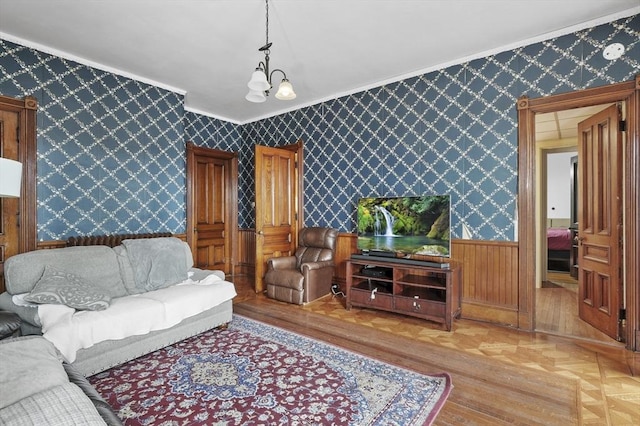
(212, 207)
(9, 207)
(600, 220)
(276, 195)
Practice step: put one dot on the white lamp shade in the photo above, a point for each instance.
(256, 96)
(285, 91)
(259, 81)
(10, 178)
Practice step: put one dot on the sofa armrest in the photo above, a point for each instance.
(104, 409)
(200, 274)
(28, 315)
(285, 262)
(9, 324)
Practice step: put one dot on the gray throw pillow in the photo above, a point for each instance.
(62, 288)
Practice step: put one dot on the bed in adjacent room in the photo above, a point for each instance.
(559, 249)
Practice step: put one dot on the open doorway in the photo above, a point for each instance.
(557, 278)
(624, 94)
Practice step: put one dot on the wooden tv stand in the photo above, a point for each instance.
(427, 292)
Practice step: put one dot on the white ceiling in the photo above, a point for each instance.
(207, 49)
(556, 126)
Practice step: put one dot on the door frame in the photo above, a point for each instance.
(231, 192)
(629, 94)
(298, 148)
(27, 109)
(297, 187)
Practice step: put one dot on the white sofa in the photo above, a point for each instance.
(103, 306)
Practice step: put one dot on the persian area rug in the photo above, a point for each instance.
(257, 374)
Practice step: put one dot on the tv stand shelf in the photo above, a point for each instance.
(428, 292)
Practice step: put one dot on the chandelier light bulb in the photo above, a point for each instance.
(285, 91)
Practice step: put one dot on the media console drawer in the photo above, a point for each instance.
(426, 292)
(420, 307)
(372, 299)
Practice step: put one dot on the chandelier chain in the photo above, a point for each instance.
(267, 21)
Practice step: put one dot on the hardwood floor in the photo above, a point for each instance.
(500, 375)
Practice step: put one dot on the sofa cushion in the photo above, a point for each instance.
(29, 365)
(126, 271)
(137, 314)
(157, 262)
(63, 288)
(97, 265)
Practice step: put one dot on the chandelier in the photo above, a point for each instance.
(261, 79)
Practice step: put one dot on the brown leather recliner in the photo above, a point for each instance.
(307, 275)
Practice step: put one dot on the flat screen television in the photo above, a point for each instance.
(408, 227)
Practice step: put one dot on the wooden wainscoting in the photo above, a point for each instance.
(489, 273)
(246, 252)
(489, 276)
(346, 245)
(490, 280)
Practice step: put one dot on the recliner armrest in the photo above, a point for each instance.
(285, 262)
(317, 265)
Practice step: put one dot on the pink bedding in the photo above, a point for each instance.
(558, 239)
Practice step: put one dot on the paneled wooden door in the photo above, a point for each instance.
(276, 206)
(600, 220)
(212, 207)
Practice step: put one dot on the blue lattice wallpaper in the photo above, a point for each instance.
(450, 131)
(110, 155)
(111, 150)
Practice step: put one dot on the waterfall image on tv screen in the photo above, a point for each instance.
(405, 225)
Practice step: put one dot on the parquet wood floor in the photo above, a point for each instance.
(537, 370)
